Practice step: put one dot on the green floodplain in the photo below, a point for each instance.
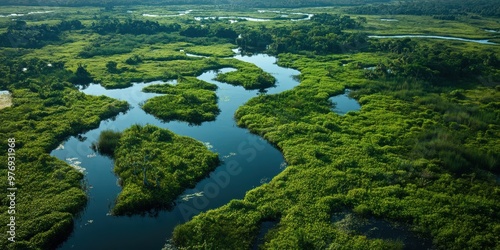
(423, 151)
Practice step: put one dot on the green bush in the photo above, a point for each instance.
(107, 142)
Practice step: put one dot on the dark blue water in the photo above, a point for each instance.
(343, 103)
(249, 161)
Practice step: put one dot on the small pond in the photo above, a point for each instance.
(343, 103)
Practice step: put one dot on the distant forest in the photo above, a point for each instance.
(432, 8)
(256, 3)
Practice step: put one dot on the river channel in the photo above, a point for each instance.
(257, 162)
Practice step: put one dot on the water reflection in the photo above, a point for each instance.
(247, 161)
(343, 103)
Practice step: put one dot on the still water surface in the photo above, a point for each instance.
(343, 103)
(253, 161)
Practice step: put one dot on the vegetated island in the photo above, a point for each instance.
(155, 166)
(249, 76)
(191, 100)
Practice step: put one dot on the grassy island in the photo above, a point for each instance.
(155, 165)
(191, 100)
(249, 76)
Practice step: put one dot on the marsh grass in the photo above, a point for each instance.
(155, 166)
(191, 100)
(412, 145)
(465, 27)
(107, 142)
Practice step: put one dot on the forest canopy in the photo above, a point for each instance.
(438, 8)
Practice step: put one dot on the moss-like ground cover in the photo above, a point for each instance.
(190, 100)
(46, 110)
(250, 77)
(155, 165)
(417, 153)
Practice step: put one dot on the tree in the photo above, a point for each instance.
(111, 66)
(82, 76)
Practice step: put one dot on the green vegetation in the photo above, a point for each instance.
(46, 110)
(219, 50)
(228, 3)
(191, 100)
(423, 151)
(439, 9)
(19, 34)
(155, 166)
(437, 63)
(409, 159)
(322, 35)
(107, 142)
(249, 76)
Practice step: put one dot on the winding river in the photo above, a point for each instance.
(253, 161)
(233, 19)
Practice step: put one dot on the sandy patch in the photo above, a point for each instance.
(5, 99)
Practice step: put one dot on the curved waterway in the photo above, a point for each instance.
(248, 161)
(435, 37)
(234, 19)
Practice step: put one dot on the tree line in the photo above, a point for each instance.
(439, 64)
(106, 25)
(323, 35)
(439, 8)
(21, 35)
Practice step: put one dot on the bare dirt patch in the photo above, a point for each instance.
(5, 99)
